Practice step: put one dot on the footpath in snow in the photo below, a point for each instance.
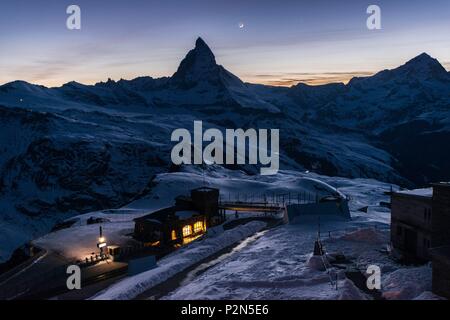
(178, 261)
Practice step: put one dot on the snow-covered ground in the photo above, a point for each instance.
(80, 239)
(279, 257)
(182, 259)
(276, 264)
(280, 265)
(408, 283)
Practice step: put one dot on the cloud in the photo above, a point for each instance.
(87, 62)
(293, 78)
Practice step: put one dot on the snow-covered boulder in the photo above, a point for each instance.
(406, 283)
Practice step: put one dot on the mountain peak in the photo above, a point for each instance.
(198, 64)
(200, 43)
(203, 51)
(425, 66)
(423, 58)
(420, 68)
(424, 55)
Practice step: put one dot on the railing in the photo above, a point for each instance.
(270, 198)
(125, 252)
(343, 232)
(333, 282)
(92, 260)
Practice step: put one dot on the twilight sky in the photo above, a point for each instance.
(282, 42)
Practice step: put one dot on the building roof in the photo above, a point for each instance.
(441, 184)
(185, 214)
(425, 192)
(159, 216)
(205, 189)
(153, 220)
(183, 209)
(163, 215)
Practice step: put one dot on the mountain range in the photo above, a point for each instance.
(79, 148)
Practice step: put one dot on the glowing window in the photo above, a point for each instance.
(174, 235)
(187, 231)
(198, 226)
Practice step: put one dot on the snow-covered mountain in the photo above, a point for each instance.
(200, 81)
(79, 148)
(419, 89)
(406, 109)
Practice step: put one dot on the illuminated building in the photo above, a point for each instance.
(182, 223)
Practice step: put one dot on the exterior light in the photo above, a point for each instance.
(101, 240)
(101, 245)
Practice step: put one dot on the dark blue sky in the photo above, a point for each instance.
(282, 42)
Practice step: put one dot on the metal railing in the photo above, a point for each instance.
(280, 199)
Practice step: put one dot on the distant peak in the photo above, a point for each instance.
(425, 66)
(424, 60)
(17, 84)
(423, 57)
(72, 83)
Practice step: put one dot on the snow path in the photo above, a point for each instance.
(204, 266)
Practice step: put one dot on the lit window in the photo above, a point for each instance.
(198, 226)
(174, 235)
(187, 231)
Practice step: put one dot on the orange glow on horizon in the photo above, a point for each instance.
(309, 79)
(276, 79)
